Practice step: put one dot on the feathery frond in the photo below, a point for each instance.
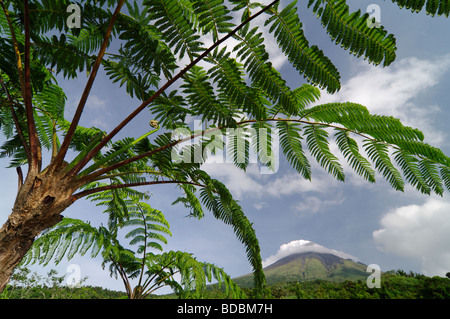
(176, 28)
(308, 60)
(350, 150)
(353, 33)
(378, 153)
(291, 144)
(318, 145)
(432, 7)
(251, 51)
(218, 199)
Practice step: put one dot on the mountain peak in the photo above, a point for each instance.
(310, 265)
(327, 259)
(303, 246)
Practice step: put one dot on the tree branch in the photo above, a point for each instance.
(20, 177)
(117, 186)
(128, 173)
(121, 125)
(122, 274)
(145, 245)
(16, 121)
(149, 279)
(97, 174)
(16, 47)
(76, 118)
(35, 148)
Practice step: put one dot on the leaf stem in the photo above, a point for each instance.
(35, 148)
(117, 186)
(132, 115)
(76, 118)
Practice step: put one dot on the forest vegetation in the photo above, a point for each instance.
(394, 285)
(58, 161)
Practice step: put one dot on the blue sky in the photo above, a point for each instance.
(371, 222)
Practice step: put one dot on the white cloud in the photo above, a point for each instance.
(252, 183)
(238, 181)
(96, 103)
(260, 205)
(387, 91)
(302, 246)
(391, 91)
(420, 232)
(277, 57)
(289, 184)
(313, 204)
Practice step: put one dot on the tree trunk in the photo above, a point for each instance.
(38, 206)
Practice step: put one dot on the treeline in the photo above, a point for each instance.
(394, 285)
(44, 292)
(27, 285)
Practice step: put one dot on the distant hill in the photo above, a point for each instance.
(309, 266)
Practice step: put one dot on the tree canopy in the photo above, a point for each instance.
(233, 86)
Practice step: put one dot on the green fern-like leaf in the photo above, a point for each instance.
(64, 240)
(203, 100)
(378, 153)
(252, 53)
(318, 145)
(263, 146)
(213, 17)
(238, 147)
(432, 7)
(217, 199)
(352, 31)
(430, 172)
(144, 48)
(177, 29)
(308, 60)
(409, 165)
(229, 76)
(291, 144)
(350, 150)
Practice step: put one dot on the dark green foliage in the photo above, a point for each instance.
(291, 143)
(352, 32)
(148, 229)
(394, 285)
(156, 42)
(432, 7)
(27, 285)
(308, 60)
(317, 141)
(252, 53)
(350, 150)
(176, 23)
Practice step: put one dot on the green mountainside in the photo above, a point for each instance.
(297, 276)
(309, 266)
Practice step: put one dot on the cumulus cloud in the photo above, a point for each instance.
(303, 246)
(252, 183)
(391, 91)
(387, 91)
(239, 182)
(420, 232)
(314, 204)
